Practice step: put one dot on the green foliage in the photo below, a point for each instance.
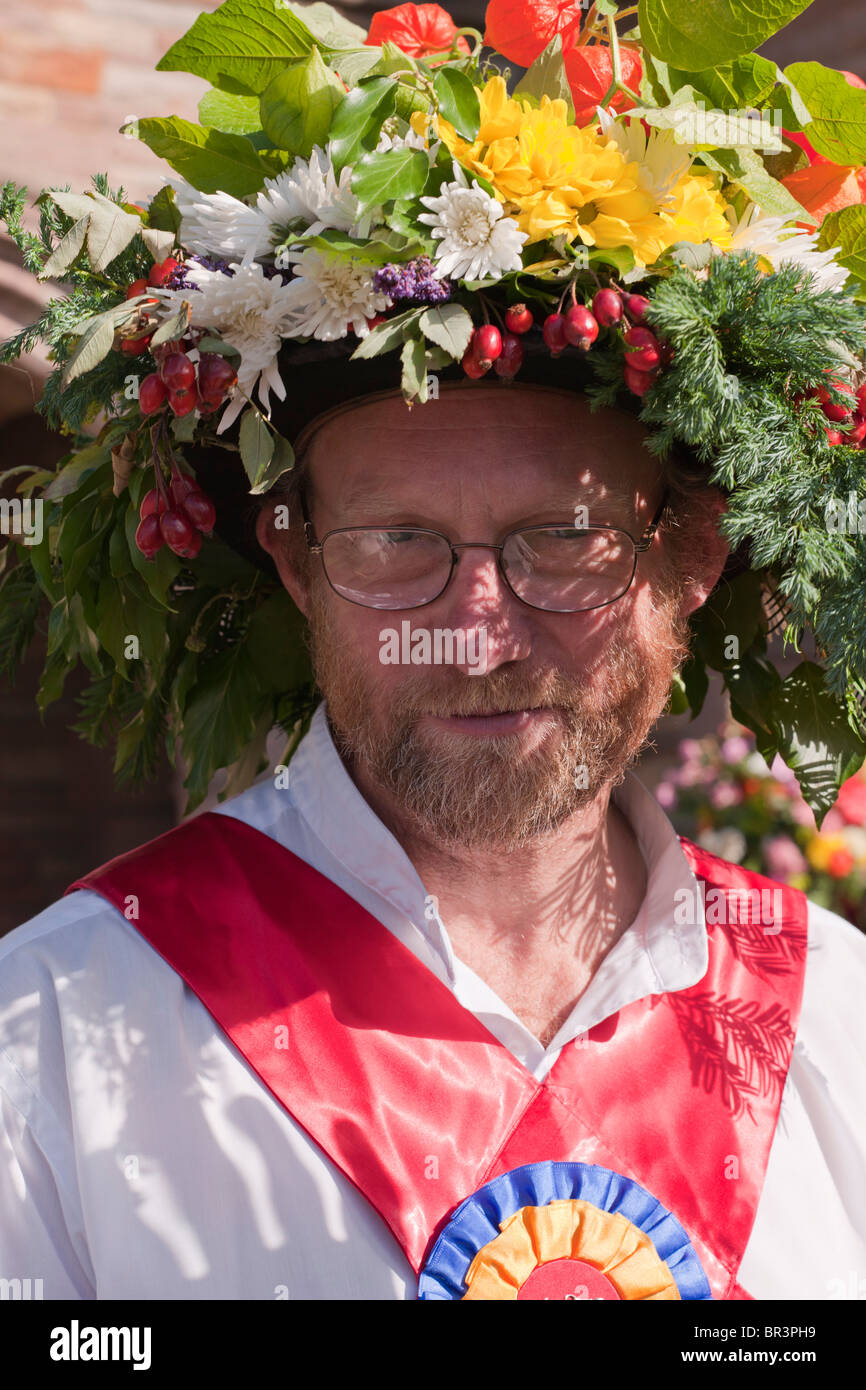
(695, 36)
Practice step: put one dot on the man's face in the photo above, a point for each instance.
(499, 756)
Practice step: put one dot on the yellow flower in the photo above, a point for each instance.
(821, 849)
(555, 178)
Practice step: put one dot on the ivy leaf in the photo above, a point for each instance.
(358, 121)
(256, 444)
(242, 46)
(458, 101)
(297, 107)
(387, 336)
(211, 160)
(847, 230)
(838, 125)
(546, 77)
(414, 380)
(696, 36)
(380, 178)
(450, 326)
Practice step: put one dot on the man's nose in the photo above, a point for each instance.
(479, 603)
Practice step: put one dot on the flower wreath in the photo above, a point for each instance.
(666, 211)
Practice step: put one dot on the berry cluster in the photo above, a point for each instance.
(847, 421)
(159, 274)
(578, 326)
(184, 384)
(177, 516)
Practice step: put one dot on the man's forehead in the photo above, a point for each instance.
(369, 493)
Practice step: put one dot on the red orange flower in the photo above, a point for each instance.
(418, 30)
(824, 187)
(521, 29)
(590, 73)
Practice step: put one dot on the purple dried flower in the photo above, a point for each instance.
(178, 279)
(415, 282)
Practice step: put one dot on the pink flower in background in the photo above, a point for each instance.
(666, 795)
(851, 802)
(690, 748)
(735, 749)
(801, 814)
(725, 794)
(783, 858)
(783, 773)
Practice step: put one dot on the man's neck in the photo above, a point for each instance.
(534, 923)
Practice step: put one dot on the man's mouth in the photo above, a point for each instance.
(508, 721)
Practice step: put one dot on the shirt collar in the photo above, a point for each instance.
(655, 955)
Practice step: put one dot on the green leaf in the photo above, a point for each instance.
(66, 251)
(256, 444)
(449, 326)
(814, 736)
(414, 380)
(163, 212)
(298, 106)
(220, 717)
(94, 344)
(695, 124)
(847, 230)
(744, 82)
(380, 178)
(458, 101)
(353, 64)
(745, 167)
(328, 26)
(734, 611)
(838, 125)
(358, 121)
(547, 76)
(236, 115)
(695, 36)
(387, 336)
(172, 328)
(242, 46)
(282, 461)
(275, 643)
(210, 160)
(110, 231)
(80, 466)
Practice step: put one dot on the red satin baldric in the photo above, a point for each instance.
(397, 1082)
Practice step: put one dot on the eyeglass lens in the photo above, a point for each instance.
(562, 569)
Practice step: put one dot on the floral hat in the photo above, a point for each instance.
(632, 204)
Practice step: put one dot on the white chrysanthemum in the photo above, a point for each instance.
(216, 224)
(311, 194)
(410, 140)
(251, 311)
(660, 160)
(475, 240)
(780, 244)
(331, 294)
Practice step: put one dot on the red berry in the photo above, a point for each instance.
(200, 510)
(638, 382)
(636, 306)
(137, 287)
(509, 362)
(581, 327)
(371, 323)
(643, 350)
(133, 347)
(486, 344)
(216, 376)
(834, 436)
(152, 502)
(471, 366)
(177, 372)
(151, 394)
(857, 432)
(193, 546)
(554, 333)
(832, 409)
(149, 537)
(861, 399)
(182, 402)
(518, 319)
(182, 484)
(607, 307)
(160, 272)
(176, 528)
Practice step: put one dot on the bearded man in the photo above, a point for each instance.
(433, 1008)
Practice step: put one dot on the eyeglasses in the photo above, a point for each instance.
(560, 569)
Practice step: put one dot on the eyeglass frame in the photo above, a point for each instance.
(316, 547)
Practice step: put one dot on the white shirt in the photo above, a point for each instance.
(141, 1157)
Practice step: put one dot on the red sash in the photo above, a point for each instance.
(375, 1058)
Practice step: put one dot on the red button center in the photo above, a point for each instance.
(573, 1280)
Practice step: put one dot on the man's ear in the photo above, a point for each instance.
(286, 550)
(707, 553)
